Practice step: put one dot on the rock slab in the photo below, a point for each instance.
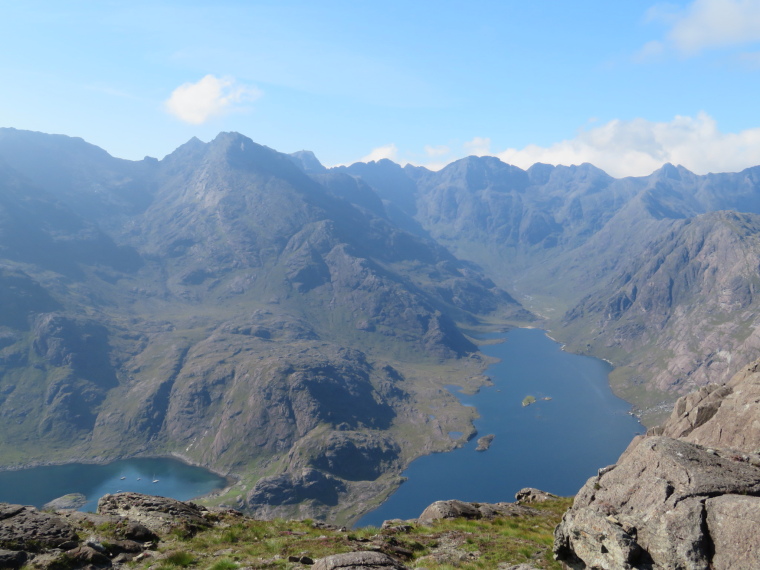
(653, 508)
(358, 561)
(158, 514)
(26, 528)
(453, 509)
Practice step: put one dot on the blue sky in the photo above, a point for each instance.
(626, 85)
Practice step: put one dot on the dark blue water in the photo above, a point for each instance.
(39, 485)
(554, 445)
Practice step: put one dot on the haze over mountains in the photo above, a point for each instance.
(261, 315)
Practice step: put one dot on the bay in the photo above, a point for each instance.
(576, 426)
(175, 479)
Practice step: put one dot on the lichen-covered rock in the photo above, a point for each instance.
(158, 514)
(26, 528)
(122, 527)
(358, 561)
(449, 510)
(86, 556)
(459, 509)
(721, 416)
(531, 495)
(66, 502)
(12, 558)
(686, 495)
(733, 522)
(652, 507)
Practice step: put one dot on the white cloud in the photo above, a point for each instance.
(478, 146)
(210, 97)
(710, 23)
(440, 150)
(388, 151)
(638, 147)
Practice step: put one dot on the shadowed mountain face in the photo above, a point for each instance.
(223, 305)
(646, 272)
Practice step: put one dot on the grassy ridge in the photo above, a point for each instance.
(237, 542)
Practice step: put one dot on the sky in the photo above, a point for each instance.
(626, 85)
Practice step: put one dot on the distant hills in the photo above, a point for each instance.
(657, 274)
(262, 315)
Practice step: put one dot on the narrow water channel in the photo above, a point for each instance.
(575, 426)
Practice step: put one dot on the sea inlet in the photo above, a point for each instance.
(151, 476)
(554, 419)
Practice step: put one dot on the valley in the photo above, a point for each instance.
(296, 326)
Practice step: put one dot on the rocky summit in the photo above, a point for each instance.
(686, 495)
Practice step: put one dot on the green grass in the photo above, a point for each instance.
(180, 558)
(238, 542)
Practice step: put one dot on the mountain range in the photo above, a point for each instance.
(296, 326)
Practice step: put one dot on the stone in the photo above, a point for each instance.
(459, 509)
(12, 558)
(71, 501)
(358, 561)
(86, 555)
(652, 507)
(531, 495)
(733, 522)
(157, 514)
(716, 416)
(25, 528)
(449, 510)
(122, 528)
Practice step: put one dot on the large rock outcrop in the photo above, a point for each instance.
(159, 514)
(26, 528)
(686, 495)
(454, 509)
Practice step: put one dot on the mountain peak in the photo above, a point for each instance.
(307, 161)
(672, 172)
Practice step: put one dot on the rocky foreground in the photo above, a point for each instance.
(686, 495)
(141, 531)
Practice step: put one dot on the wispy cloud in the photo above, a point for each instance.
(707, 24)
(649, 52)
(388, 151)
(479, 146)
(638, 147)
(440, 150)
(212, 96)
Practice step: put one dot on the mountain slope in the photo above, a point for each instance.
(568, 240)
(240, 314)
(686, 309)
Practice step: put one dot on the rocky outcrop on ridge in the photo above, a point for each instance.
(158, 514)
(531, 495)
(459, 509)
(23, 528)
(720, 416)
(135, 531)
(126, 527)
(686, 495)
